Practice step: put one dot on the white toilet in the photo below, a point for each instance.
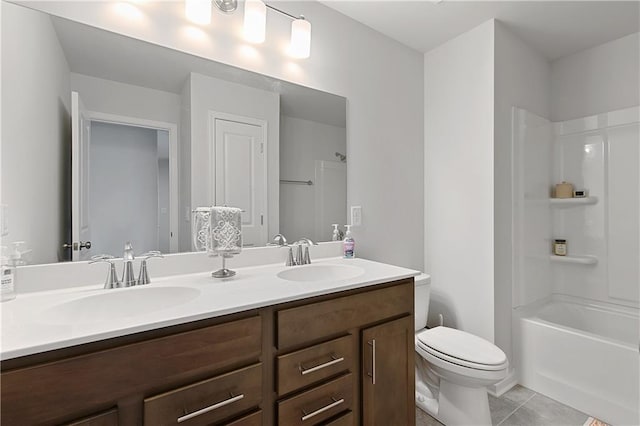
(453, 368)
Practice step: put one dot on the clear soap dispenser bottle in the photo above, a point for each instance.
(349, 244)
(336, 233)
(7, 277)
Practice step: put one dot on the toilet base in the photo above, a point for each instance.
(461, 405)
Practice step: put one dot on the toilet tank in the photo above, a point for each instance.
(421, 300)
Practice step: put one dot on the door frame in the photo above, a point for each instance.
(263, 124)
(172, 129)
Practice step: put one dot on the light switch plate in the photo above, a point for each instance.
(356, 215)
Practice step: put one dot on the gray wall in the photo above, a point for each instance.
(36, 131)
(601, 79)
(212, 94)
(522, 78)
(123, 157)
(302, 142)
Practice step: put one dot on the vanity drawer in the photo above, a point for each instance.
(318, 404)
(329, 318)
(109, 418)
(208, 401)
(253, 419)
(36, 394)
(310, 365)
(345, 419)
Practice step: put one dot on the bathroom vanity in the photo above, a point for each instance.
(341, 355)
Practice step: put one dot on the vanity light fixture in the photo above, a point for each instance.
(300, 43)
(198, 11)
(300, 46)
(255, 22)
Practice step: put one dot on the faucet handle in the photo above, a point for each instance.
(307, 241)
(112, 280)
(143, 276)
(278, 240)
(290, 260)
(307, 258)
(150, 254)
(101, 258)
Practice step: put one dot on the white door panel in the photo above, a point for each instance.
(80, 142)
(240, 175)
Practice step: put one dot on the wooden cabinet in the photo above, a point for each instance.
(208, 401)
(388, 383)
(73, 387)
(108, 418)
(310, 365)
(307, 362)
(307, 340)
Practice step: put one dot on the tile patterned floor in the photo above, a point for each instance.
(522, 407)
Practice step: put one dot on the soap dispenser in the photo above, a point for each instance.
(349, 244)
(336, 233)
(7, 279)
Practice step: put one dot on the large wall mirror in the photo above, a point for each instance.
(108, 139)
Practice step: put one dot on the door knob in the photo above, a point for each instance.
(77, 246)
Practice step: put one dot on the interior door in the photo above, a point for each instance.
(80, 142)
(240, 176)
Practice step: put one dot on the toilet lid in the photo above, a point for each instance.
(459, 345)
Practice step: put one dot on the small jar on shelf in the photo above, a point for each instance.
(560, 247)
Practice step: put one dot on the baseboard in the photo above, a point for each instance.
(503, 385)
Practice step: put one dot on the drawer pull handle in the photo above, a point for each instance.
(211, 408)
(335, 403)
(372, 343)
(333, 361)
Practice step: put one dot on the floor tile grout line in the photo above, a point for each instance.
(517, 408)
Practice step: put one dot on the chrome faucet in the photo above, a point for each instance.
(143, 276)
(303, 259)
(128, 279)
(112, 280)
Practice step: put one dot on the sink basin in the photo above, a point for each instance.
(321, 272)
(113, 304)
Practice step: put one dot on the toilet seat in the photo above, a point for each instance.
(461, 348)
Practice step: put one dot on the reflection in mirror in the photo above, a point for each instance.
(148, 135)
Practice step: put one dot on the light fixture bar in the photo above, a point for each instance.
(275, 9)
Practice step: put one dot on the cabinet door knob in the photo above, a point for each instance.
(77, 246)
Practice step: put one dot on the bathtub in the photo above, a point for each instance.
(583, 354)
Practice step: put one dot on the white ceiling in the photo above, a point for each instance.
(553, 28)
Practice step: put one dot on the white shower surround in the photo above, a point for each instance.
(576, 327)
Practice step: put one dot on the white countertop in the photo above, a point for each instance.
(37, 322)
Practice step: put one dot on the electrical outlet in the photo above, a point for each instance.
(356, 215)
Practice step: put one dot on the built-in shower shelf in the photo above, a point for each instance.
(572, 202)
(579, 260)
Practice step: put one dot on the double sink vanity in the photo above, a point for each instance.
(326, 343)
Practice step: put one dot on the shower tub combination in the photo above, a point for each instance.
(583, 353)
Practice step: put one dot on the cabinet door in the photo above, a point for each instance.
(388, 383)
